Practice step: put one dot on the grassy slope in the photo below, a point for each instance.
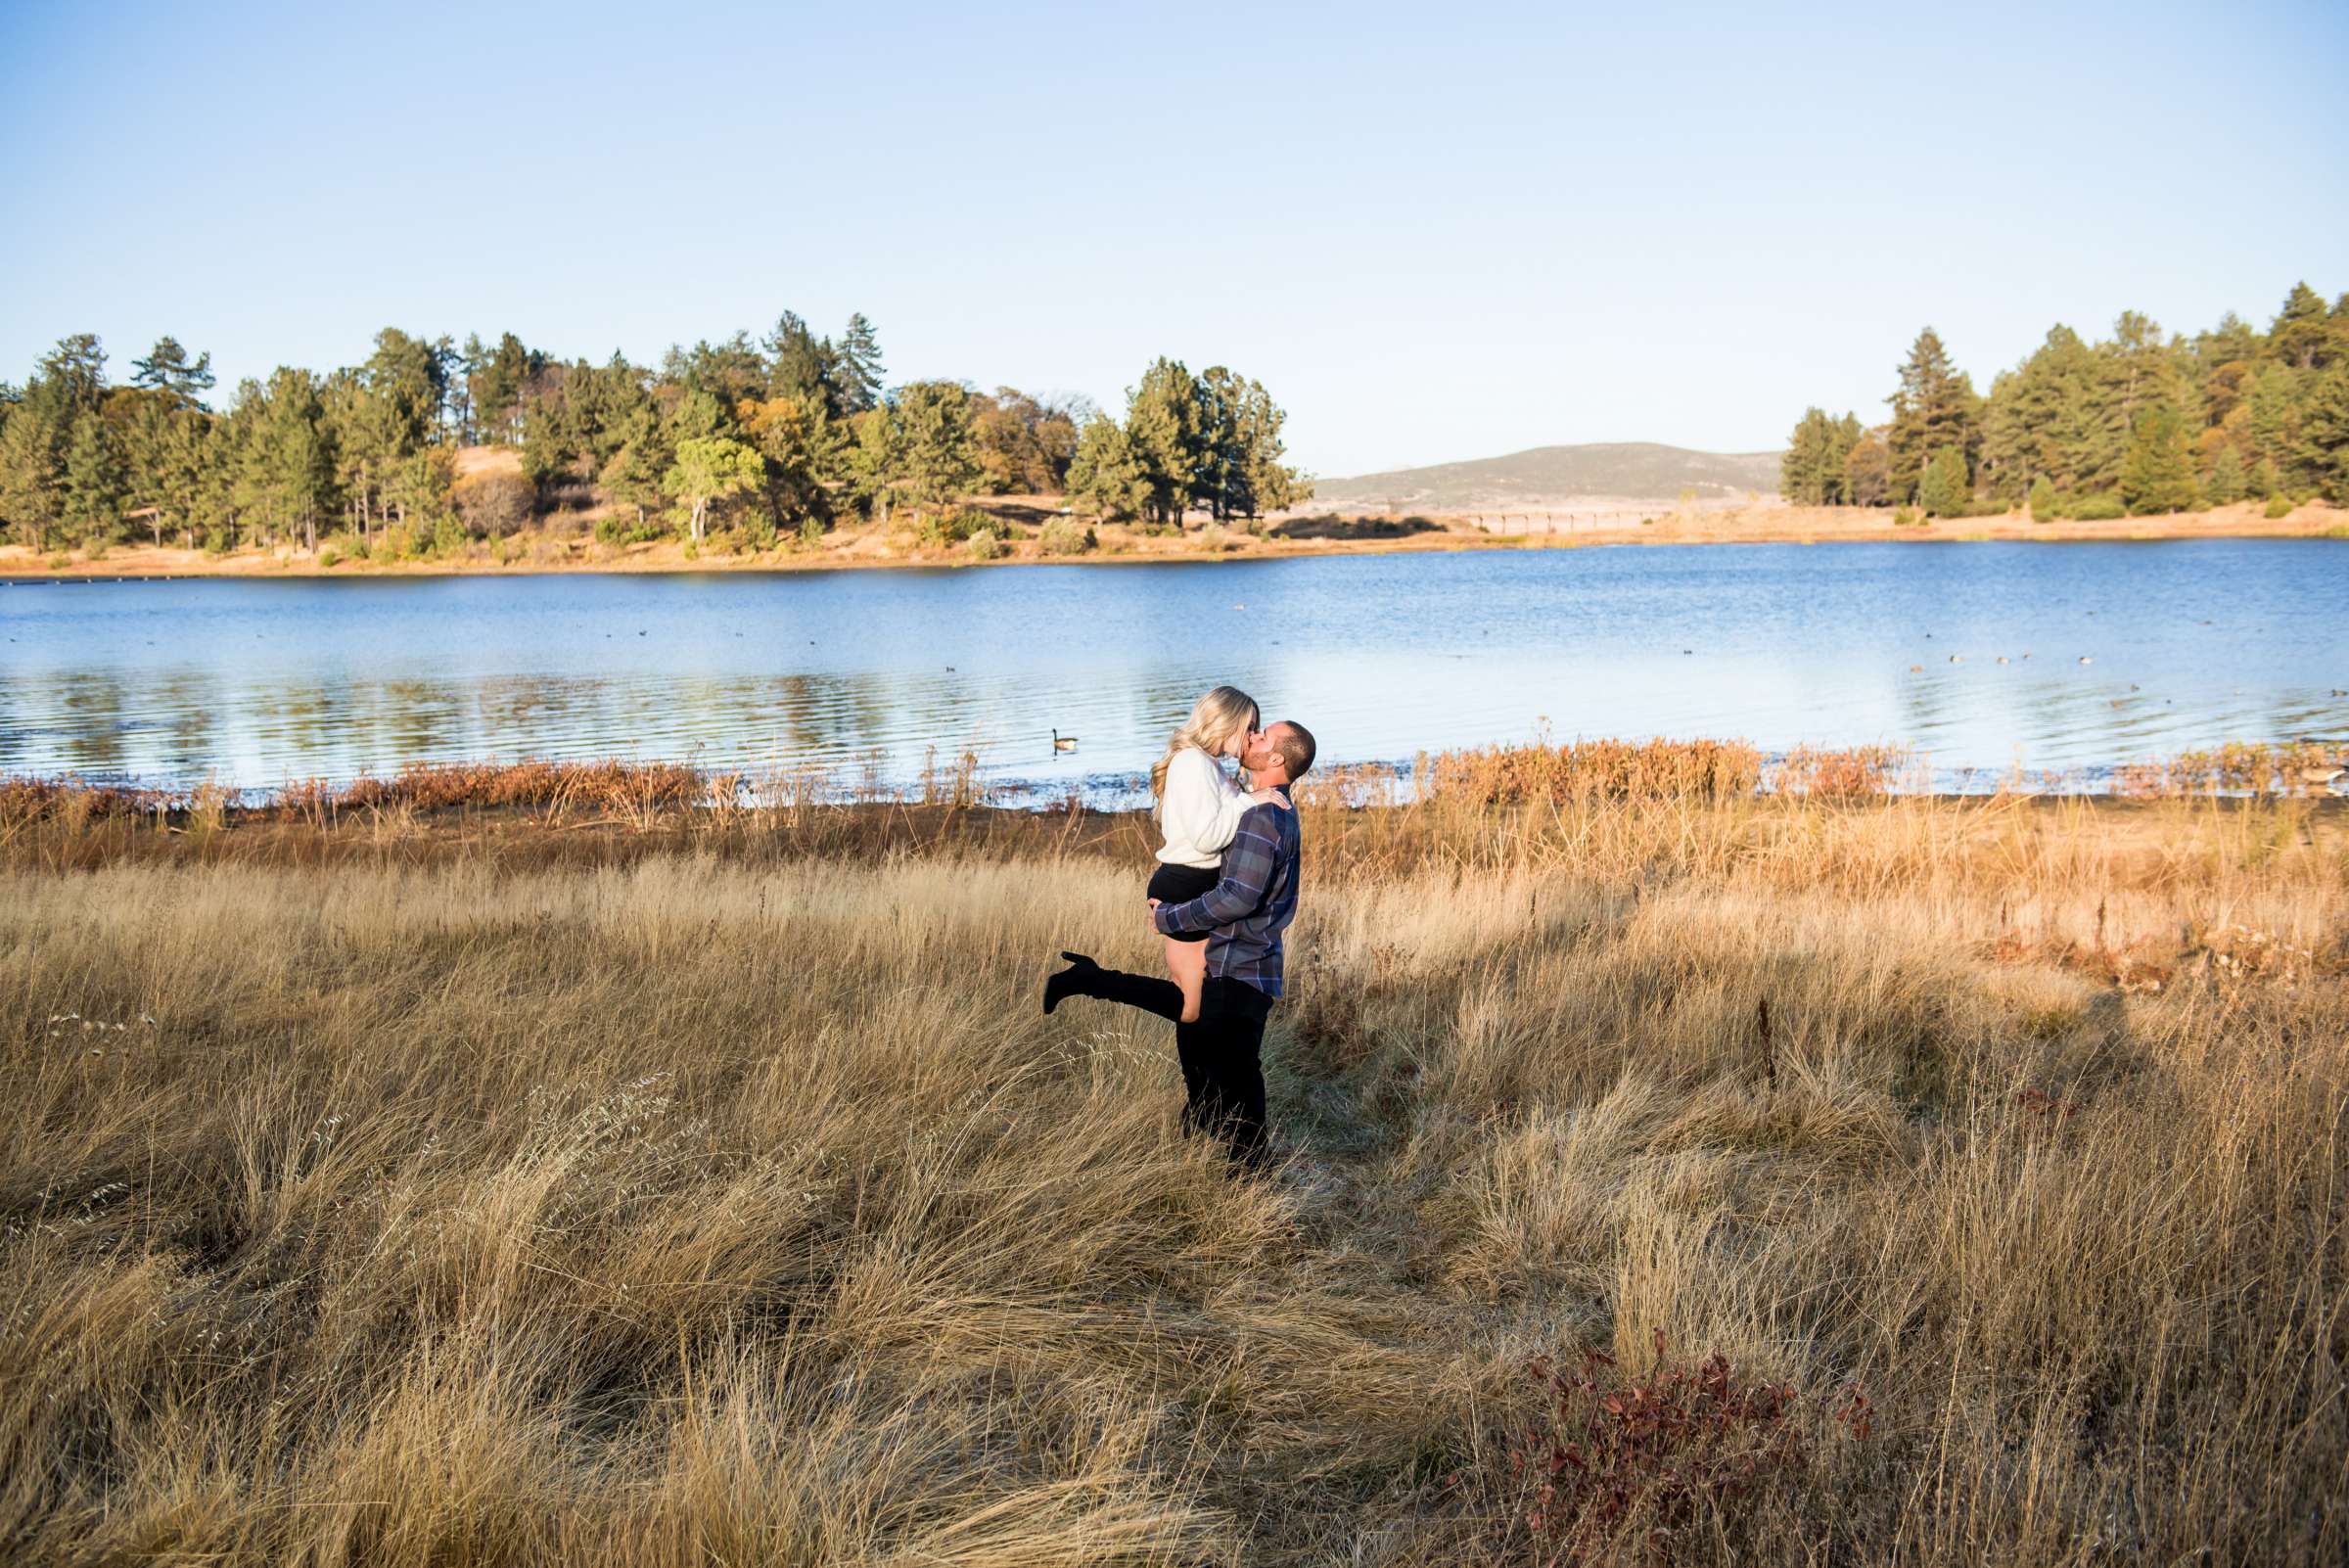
(501, 1192)
(1625, 470)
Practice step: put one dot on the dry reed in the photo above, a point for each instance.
(611, 1182)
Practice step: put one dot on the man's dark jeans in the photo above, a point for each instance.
(1222, 1055)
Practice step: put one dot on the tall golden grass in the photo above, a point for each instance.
(605, 1181)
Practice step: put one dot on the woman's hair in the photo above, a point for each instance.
(1213, 719)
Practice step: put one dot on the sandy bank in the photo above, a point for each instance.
(870, 546)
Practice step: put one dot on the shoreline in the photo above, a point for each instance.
(870, 548)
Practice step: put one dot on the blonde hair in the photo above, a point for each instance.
(1213, 720)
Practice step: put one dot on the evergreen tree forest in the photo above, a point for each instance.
(1209, 441)
(2137, 423)
(769, 440)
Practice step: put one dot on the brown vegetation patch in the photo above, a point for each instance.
(443, 1181)
(1356, 528)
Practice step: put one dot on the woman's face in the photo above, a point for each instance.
(1236, 742)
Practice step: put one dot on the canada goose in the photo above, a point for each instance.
(1957, 659)
(1063, 743)
(2085, 659)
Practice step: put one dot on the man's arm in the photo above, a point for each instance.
(1247, 873)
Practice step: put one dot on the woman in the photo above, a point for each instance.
(1199, 810)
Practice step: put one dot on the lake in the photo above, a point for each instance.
(2192, 642)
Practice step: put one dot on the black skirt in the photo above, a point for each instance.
(1181, 884)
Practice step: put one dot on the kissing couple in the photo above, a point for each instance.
(1223, 890)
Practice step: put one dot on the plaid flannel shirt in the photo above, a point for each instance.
(1247, 909)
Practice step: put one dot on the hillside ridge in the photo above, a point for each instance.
(1539, 475)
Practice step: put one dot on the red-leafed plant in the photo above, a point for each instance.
(1620, 1459)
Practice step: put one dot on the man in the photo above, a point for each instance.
(1244, 913)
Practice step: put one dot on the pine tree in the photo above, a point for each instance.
(1165, 426)
(1934, 408)
(168, 369)
(463, 368)
(1218, 474)
(632, 474)
(2272, 419)
(874, 463)
(2325, 433)
(937, 449)
(1941, 492)
(2227, 479)
(1106, 479)
(548, 449)
(2036, 417)
(799, 364)
(1803, 470)
(2134, 371)
(856, 366)
(94, 480)
(291, 461)
(1266, 484)
(498, 387)
(2299, 336)
(801, 442)
(31, 462)
(74, 372)
(2157, 472)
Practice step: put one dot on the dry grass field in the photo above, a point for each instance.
(1668, 1175)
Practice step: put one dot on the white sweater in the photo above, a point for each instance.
(1200, 812)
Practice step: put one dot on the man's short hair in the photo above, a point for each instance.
(1295, 743)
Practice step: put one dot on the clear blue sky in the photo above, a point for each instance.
(1433, 232)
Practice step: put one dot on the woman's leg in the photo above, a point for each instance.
(1186, 962)
(1086, 978)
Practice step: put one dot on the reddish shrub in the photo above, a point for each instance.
(1632, 1456)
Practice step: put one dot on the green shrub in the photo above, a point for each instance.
(1906, 517)
(983, 545)
(956, 527)
(330, 557)
(617, 528)
(1065, 536)
(2280, 507)
(1944, 490)
(2099, 506)
(2047, 502)
(812, 533)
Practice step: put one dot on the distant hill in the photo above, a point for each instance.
(1558, 476)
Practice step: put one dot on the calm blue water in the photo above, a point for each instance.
(2193, 642)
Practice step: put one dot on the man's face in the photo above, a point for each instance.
(1259, 754)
